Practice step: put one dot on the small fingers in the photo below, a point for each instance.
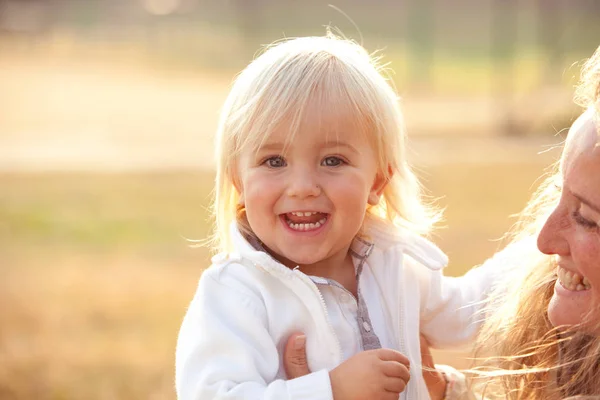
(393, 369)
(393, 355)
(394, 385)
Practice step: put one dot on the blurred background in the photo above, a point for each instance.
(107, 114)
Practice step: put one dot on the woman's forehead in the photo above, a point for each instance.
(583, 136)
(580, 163)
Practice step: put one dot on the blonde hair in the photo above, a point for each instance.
(275, 91)
(587, 93)
(532, 359)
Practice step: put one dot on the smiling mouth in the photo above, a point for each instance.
(303, 221)
(572, 280)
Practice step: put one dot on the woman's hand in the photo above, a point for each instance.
(295, 364)
(434, 379)
(374, 374)
(294, 356)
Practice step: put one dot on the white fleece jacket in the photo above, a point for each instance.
(247, 304)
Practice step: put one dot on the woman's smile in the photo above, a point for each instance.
(572, 280)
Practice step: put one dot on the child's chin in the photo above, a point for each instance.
(304, 260)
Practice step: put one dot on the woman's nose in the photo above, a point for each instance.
(553, 238)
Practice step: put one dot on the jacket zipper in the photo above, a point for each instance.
(412, 390)
(316, 290)
(313, 287)
(404, 395)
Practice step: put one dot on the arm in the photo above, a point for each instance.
(443, 382)
(372, 374)
(453, 310)
(454, 307)
(457, 387)
(224, 350)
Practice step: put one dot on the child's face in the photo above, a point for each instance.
(306, 202)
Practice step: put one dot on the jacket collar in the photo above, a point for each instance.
(385, 236)
(376, 233)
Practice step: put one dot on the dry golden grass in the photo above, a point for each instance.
(97, 275)
(88, 112)
(90, 328)
(95, 270)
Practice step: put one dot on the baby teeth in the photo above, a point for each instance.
(572, 280)
(306, 226)
(304, 214)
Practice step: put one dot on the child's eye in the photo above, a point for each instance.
(580, 220)
(275, 162)
(332, 161)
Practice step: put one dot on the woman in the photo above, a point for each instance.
(543, 324)
(546, 328)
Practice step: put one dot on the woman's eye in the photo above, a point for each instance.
(580, 220)
(275, 162)
(557, 185)
(332, 161)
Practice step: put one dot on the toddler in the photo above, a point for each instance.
(319, 225)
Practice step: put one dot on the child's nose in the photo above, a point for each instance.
(303, 184)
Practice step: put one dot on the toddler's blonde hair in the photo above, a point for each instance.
(275, 92)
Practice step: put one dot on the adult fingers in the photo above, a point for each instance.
(294, 356)
(426, 357)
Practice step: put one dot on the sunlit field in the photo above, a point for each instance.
(105, 183)
(96, 274)
(97, 271)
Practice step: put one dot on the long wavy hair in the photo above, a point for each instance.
(531, 358)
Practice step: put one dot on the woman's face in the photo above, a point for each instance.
(572, 231)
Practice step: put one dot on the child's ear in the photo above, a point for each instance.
(379, 184)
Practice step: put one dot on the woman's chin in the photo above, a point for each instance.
(560, 314)
(569, 307)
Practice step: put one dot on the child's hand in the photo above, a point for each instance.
(379, 374)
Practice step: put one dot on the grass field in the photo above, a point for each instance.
(97, 273)
(95, 267)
